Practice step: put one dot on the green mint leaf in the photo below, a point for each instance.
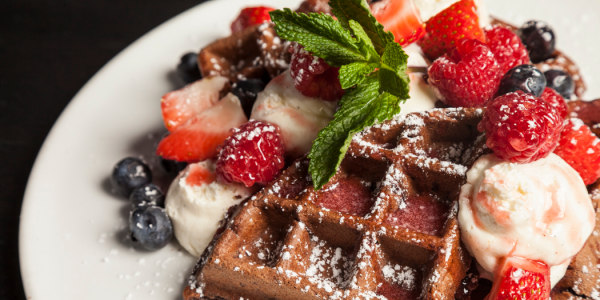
(358, 10)
(392, 74)
(355, 73)
(364, 42)
(361, 107)
(320, 34)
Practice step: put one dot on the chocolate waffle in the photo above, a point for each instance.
(292, 242)
(255, 52)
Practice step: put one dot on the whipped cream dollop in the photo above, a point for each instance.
(196, 203)
(299, 118)
(539, 211)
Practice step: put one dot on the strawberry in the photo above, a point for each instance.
(521, 278)
(251, 16)
(401, 17)
(446, 29)
(181, 105)
(580, 148)
(200, 136)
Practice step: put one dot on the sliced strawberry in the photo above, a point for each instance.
(181, 105)
(401, 17)
(200, 136)
(446, 29)
(251, 16)
(521, 278)
(580, 148)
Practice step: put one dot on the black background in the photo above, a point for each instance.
(48, 50)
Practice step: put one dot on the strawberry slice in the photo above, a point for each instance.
(200, 136)
(521, 278)
(181, 105)
(580, 148)
(446, 29)
(251, 16)
(401, 17)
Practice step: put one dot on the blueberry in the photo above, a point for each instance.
(525, 78)
(150, 227)
(187, 69)
(147, 194)
(561, 82)
(247, 90)
(172, 167)
(539, 40)
(130, 173)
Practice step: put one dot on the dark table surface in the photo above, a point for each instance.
(48, 50)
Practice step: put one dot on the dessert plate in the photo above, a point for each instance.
(72, 234)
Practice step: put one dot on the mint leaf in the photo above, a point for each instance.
(355, 73)
(361, 107)
(320, 34)
(359, 11)
(392, 75)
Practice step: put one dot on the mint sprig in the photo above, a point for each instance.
(372, 71)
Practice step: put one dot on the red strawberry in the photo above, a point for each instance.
(468, 77)
(423, 213)
(580, 148)
(250, 16)
(401, 18)
(521, 278)
(181, 105)
(446, 29)
(200, 136)
(507, 48)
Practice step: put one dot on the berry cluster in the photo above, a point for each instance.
(149, 225)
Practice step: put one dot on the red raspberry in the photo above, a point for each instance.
(468, 77)
(252, 154)
(507, 48)
(251, 16)
(520, 127)
(555, 100)
(580, 148)
(313, 77)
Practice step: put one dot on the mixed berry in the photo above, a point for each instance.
(524, 119)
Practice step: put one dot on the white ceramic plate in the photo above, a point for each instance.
(71, 239)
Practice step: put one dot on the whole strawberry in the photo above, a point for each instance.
(507, 47)
(580, 148)
(468, 77)
(520, 127)
(251, 16)
(445, 30)
(254, 153)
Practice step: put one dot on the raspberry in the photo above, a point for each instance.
(313, 77)
(520, 127)
(507, 48)
(555, 100)
(580, 148)
(468, 77)
(252, 154)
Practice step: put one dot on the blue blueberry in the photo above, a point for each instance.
(247, 91)
(561, 82)
(525, 78)
(150, 227)
(539, 40)
(147, 194)
(130, 173)
(187, 69)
